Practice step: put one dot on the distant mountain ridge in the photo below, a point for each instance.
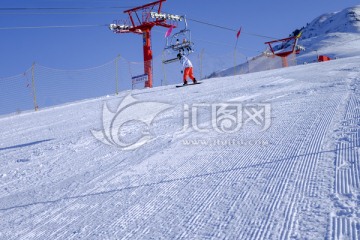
(334, 34)
(345, 21)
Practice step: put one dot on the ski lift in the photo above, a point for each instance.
(179, 42)
(286, 47)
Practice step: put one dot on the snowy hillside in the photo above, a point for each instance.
(335, 34)
(270, 155)
(345, 21)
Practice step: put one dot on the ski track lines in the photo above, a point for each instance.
(209, 193)
(96, 179)
(210, 198)
(202, 205)
(194, 161)
(69, 207)
(41, 215)
(106, 175)
(45, 218)
(299, 167)
(36, 153)
(345, 223)
(238, 162)
(95, 208)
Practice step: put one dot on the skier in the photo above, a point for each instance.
(181, 49)
(188, 47)
(187, 69)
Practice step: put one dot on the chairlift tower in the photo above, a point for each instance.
(141, 20)
(295, 48)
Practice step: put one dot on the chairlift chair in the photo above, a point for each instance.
(179, 42)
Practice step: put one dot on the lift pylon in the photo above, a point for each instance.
(289, 46)
(142, 20)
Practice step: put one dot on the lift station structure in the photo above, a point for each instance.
(141, 20)
(289, 46)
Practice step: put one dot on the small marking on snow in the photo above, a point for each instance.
(22, 160)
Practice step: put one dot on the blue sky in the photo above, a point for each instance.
(73, 48)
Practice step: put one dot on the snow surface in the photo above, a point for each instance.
(61, 177)
(299, 179)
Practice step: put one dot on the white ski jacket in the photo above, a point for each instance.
(185, 62)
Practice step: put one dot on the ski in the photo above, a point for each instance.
(188, 84)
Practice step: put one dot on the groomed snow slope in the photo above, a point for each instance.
(299, 179)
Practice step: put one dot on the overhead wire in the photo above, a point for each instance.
(44, 27)
(214, 43)
(87, 8)
(57, 13)
(60, 8)
(230, 29)
(23, 10)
